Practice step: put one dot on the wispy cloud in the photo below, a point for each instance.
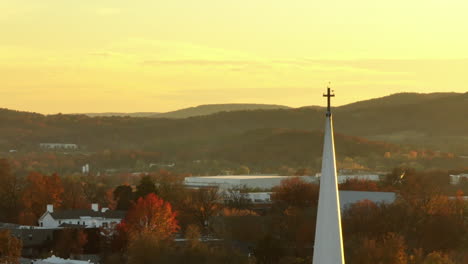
(200, 62)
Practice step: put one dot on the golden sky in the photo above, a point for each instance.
(160, 55)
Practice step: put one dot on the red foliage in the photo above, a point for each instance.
(296, 193)
(150, 215)
(40, 190)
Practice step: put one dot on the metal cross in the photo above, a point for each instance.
(329, 95)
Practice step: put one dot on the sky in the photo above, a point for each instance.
(75, 56)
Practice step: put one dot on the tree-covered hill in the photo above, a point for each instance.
(200, 110)
(437, 122)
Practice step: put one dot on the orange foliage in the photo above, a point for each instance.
(150, 215)
(295, 192)
(40, 190)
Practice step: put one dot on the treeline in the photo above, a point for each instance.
(432, 122)
(281, 151)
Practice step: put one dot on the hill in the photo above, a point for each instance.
(200, 110)
(108, 114)
(203, 110)
(435, 122)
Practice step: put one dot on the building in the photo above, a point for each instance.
(58, 146)
(264, 182)
(87, 218)
(455, 179)
(347, 198)
(56, 260)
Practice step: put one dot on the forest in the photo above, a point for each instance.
(375, 135)
(426, 224)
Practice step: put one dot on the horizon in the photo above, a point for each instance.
(241, 103)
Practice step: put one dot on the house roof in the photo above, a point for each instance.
(77, 213)
(33, 237)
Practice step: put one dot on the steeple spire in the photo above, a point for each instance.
(328, 247)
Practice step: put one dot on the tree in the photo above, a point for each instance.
(296, 193)
(242, 170)
(203, 204)
(237, 198)
(70, 241)
(123, 195)
(437, 258)
(40, 190)
(148, 249)
(359, 185)
(268, 250)
(145, 187)
(10, 248)
(75, 196)
(151, 215)
(10, 192)
(389, 249)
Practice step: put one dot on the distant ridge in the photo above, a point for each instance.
(200, 110)
(433, 121)
(137, 114)
(209, 109)
(397, 100)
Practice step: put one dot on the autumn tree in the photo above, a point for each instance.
(10, 248)
(123, 196)
(437, 258)
(359, 185)
(148, 249)
(269, 250)
(151, 215)
(145, 187)
(388, 249)
(10, 192)
(237, 198)
(70, 241)
(75, 195)
(40, 190)
(203, 203)
(295, 192)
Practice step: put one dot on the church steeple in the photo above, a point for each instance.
(328, 248)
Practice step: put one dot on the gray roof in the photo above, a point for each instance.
(33, 237)
(350, 197)
(77, 213)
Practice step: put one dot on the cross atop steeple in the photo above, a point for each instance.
(329, 95)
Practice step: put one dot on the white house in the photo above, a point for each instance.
(88, 218)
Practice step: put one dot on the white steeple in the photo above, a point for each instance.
(328, 248)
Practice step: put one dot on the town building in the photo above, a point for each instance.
(455, 179)
(263, 182)
(58, 146)
(87, 218)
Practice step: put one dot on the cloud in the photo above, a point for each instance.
(200, 62)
